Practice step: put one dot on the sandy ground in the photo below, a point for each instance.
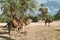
(35, 31)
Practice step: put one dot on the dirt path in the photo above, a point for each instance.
(35, 31)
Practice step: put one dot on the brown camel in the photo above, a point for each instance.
(48, 21)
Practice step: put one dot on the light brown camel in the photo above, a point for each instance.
(18, 24)
(23, 23)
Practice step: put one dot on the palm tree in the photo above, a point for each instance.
(12, 7)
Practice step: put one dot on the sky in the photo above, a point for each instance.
(45, 1)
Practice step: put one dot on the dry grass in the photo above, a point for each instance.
(35, 31)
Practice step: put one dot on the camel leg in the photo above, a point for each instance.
(45, 24)
(24, 30)
(9, 28)
(49, 24)
(19, 29)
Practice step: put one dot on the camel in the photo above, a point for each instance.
(48, 21)
(18, 24)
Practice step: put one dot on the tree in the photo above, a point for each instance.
(35, 18)
(44, 11)
(10, 8)
(14, 7)
(57, 16)
(42, 5)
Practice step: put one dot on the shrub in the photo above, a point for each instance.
(3, 19)
(35, 19)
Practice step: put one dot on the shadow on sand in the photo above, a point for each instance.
(6, 38)
(57, 30)
(2, 37)
(3, 32)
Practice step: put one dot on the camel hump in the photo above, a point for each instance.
(48, 20)
(14, 22)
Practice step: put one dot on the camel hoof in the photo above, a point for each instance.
(10, 35)
(25, 33)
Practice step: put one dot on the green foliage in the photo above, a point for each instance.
(19, 7)
(49, 16)
(35, 18)
(44, 10)
(42, 4)
(45, 13)
(3, 19)
(25, 17)
(57, 16)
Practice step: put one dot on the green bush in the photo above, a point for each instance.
(26, 17)
(3, 19)
(35, 18)
(57, 16)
